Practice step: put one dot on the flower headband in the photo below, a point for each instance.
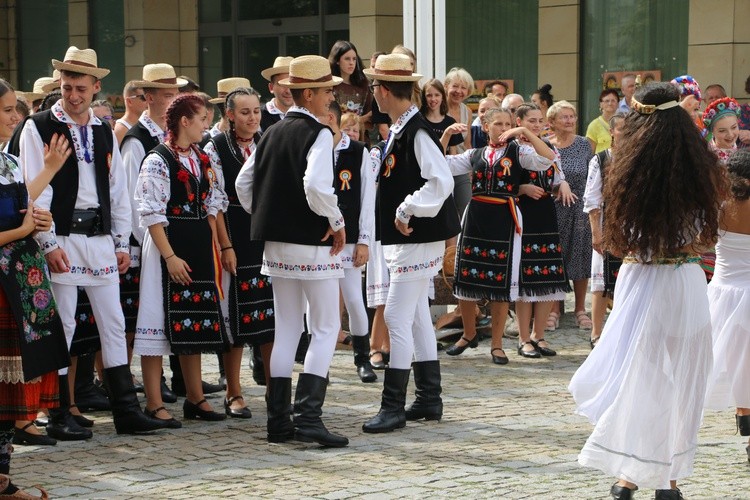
(687, 86)
(647, 109)
(719, 109)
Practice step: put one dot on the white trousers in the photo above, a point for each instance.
(407, 315)
(105, 303)
(291, 297)
(351, 289)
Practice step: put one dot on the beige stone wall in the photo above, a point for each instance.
(559, 31)
(161, 31)
(719, 44)
(78, 23)
(375, 25)
(8, 43)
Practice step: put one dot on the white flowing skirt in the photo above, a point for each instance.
(643, 386)
(729, 384)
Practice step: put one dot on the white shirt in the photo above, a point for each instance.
(412, 261)
(288, 260)
(92, 259)
(132, 155)
(527, 157)
(213, 155)
(592, 197)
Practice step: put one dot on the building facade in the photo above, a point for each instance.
(572, 44)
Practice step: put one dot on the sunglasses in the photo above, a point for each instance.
(142, 97)
(373, 85)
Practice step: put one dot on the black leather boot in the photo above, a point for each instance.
(259, 372)
(361, 350)
(391, 415)
(302, 346)
(62, 426)
(278, 403)
(428, 405)
(308, 404)
(743, 424)
(128, 417)
(89, 397)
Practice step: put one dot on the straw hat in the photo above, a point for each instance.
(310, 72)
(227, 85)
(54, 84)
(280, 65)
(39, 91)
(80, 61)
(392, 68)
(160, 76)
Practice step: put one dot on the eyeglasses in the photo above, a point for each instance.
(142, 97)
(108, 118)
(373, 85)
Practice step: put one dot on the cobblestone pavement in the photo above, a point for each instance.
(508, 432)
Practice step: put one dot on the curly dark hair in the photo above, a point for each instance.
(665, 187)
(738, 168)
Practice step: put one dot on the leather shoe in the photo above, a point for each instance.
(621, 492)
(169, 423)
(236, 413)
(65, 428)
(499, 360)
(544, 351)
(167, 395)
(22, 437)
(92, 398)
(209, 388)
(193, 411)
(378, 365)
(528, 354)
(456, 349)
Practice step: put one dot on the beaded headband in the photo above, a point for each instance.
(647, 109)
(718, 109)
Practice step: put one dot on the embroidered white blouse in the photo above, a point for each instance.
(592, 197)
(92, 260)
(153, 190)
(132, 155)
(213, 155)
(288, 260)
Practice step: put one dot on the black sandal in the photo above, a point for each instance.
(544, 351)
(378, 365)
(593, 342)
(528, 354)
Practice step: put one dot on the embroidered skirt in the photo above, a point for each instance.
(487, 254)
(542, 272)
(20, 400)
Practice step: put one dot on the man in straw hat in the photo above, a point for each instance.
(416, 214)
(160, 86)
(224, 87)
(275, 109)
(88, 244)
(34, 98)
(288, 187)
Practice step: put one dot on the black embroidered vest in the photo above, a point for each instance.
(400, 176)
(141, 133)
(65, 182)
(500, 180)
(280, 209)
(183, 203)
(543, 179)
(347, 181)
(267, 119)
(231, 162)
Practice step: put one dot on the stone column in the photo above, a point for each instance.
(375, 25)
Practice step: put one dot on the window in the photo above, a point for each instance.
(42, 24)
(629, 35)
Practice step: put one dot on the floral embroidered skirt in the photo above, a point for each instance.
(487, 254)
(542, 277)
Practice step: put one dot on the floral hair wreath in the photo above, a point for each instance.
(719, 109)
(687, 85)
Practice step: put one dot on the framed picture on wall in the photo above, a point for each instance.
(613, 79)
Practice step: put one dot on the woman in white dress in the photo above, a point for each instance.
(729, 298)
(644, 384)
